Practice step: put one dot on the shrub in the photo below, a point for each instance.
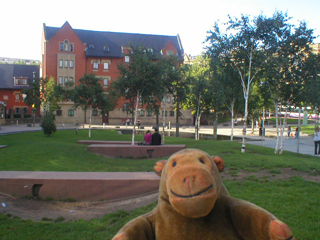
(48, 125)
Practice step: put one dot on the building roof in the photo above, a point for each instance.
(97, 41)
(9, 71)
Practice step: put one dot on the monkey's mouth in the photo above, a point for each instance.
(193, 195)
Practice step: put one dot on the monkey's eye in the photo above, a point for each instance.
(174, 164)
(201, 160)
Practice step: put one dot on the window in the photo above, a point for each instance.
(165, 113)
(61, 46)
(66, 45)
(149, 112)
(142, 113)
(105, 66)
(126, 59)
(59, 112)
(71, 64)
(106, 82)
(5, 97)
(17, 110)
(168, 99)
(70, 112)
(18, 81)
(95, 65)
(66, 63)
(150, 50)
(60, 80)
(71, 47)
(17, 96)
(126, 106)
(171, 113)
(70, 79)
(169, 53)
(24, 81)
(94, 112)
(65, 80)
(61, 63)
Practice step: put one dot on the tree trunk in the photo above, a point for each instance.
(277, 127)
(85, 115)
(282, 132)
(197, 120)
(299, 131)
(215, 125)
(244, 135)
(164, 119)
(177, 117)
(135, 118)
(90, 120)
(232, 118)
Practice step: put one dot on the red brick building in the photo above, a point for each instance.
(14, 78)
(68, 54)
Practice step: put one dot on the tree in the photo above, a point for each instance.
(139, 81)
(173, 85)
(248, 43)
(200, 96)
(284, 75)
(180, 89)
(48, 126)
(34, 96)
(88, 95)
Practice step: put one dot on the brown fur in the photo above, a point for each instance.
(194, 204)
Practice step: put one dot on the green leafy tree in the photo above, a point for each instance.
(200, 96)
(88, 94)
(249, 44)
(139, 81)
(34, 95)
(48, 126)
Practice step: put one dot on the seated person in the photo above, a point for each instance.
(147, 138)
(156, 138)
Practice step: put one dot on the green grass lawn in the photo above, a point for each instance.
(295, 201)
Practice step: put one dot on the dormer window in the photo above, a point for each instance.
(150, 50)
(91, 46)
(106, 49)
(20, 81)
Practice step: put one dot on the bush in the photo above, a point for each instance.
(48, 125)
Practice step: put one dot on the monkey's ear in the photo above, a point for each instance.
(158, 167)
(219, 162)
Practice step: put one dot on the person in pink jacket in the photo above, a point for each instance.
(147, 138)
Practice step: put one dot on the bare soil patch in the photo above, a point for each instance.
(39, 209)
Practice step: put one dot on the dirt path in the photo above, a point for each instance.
(38, 209)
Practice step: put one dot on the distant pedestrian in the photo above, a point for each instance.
(289, 131)
(127, 122)
(316, 140)
(297, 132)
(138, 124)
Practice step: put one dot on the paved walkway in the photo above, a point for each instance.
(306, 144)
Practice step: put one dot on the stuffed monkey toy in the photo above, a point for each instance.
(194, 204)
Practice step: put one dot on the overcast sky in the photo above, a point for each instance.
(22, 21)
